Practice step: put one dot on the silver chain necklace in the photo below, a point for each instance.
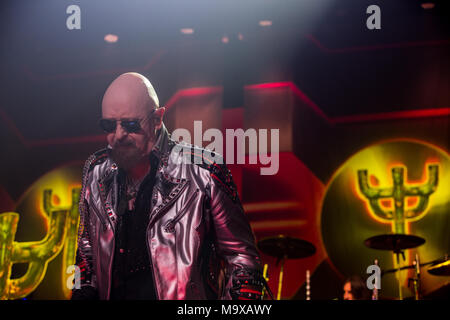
(133, 188)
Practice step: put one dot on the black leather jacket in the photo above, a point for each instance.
(198, 237)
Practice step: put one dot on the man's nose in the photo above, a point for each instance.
(120, 132)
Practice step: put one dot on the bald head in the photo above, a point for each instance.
(132, 97)
(129, 95)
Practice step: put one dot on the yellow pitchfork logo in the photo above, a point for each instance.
(400, 215)
(62, 232)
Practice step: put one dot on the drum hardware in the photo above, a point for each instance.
(396, 243)
(434, 263)
(280, 278)
(416, 279)
(283, 247)
(440, 269)
(266, 277)
(375, 290)
(308, 286)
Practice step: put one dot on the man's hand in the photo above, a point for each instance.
(246, 285)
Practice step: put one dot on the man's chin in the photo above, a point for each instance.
(126, 157)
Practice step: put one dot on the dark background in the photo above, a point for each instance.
(53, 79)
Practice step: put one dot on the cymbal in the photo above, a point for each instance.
(394, 242)
(441, 269)
(284, 246)
(412, 266)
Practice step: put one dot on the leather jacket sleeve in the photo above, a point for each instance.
(234, 238)
(84, 254)
(88, 290)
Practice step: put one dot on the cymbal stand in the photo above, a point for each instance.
(280, 280)
(375, 290)
(308, 286)
(416, 279)
(398, 253)
(266, 277)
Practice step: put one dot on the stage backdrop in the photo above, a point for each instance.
(339, 182)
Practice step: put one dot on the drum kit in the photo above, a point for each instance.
(284, 247)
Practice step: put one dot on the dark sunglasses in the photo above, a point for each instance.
(130, 125)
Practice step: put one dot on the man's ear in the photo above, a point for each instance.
(158, 117)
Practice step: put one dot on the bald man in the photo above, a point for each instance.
(153, 226)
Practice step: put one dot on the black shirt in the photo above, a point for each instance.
(132, 277)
